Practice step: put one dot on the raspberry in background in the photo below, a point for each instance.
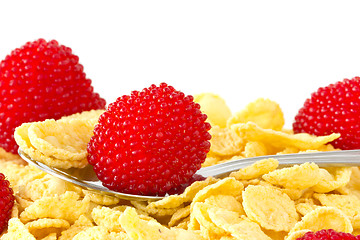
(328, 234)
(6, 202)
(149, 142)
(333, 109)
(41, 80)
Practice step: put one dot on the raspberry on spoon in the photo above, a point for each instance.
(328, 234)
(41, 80)
(333, 109)
(6, 202)
(149, 142)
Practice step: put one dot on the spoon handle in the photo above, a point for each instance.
(345, 158)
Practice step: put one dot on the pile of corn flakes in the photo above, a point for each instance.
(261, 201)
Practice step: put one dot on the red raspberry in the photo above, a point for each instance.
(328, 234)
(41, 80)
(149, 142)
(333, 109)
(6, 202)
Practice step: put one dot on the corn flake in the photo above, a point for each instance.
(180, 214)
(297, 234)
(264, 112)
(45, 226)
(225, 142)
(107, 217)
(64, 140)
(226, 202)
(256, 170)
(22, 139)
(296, 177)
(239, 227)
(226, 186)
(93, 233)
(101, 199)
(175, 201)
(348, 204)
(200, 211)
(80, 225)
(66, 206)
(332, 178)
(17, 230)
(269, 207)
(255, 149)
(324, 218)
(214, 107)
(252, 132)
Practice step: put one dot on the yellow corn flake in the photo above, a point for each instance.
(22, 139)
(225, 142)
(43, 227)
(118, 236)
(210, 161)
(200, 211)
(51, 236)
(239, 227)
(252, 132)
(256, 170)
(64, 140)
(184, 223)
(264, 112)
(15, 173)
(22, 203)
(305, 207)
(324, 218)
(226, 186)
(269, 207)
(17, 230)
(353, 185)
(180, 234)
(214, 107)
(93, 233)
(348, 204)
(275, 235)
(66, 206)
(107, 217)
(255, 149)
(175, 201)
(293, 194)
(154, 211)
(355, 221)
(289, 150)
(356, 232)
(296, 177)
(179, 215)
(297, 234)
(4, 155)
(137, 228)
(46, 186)
(80, 225)
(101, 199)
(332, 178)
(225, 201)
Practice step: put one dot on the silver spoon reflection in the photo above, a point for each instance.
(86, 177)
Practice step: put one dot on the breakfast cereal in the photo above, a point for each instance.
(261, 201)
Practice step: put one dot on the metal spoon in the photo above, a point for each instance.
(86, 177)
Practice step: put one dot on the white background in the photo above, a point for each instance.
(241, 50)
